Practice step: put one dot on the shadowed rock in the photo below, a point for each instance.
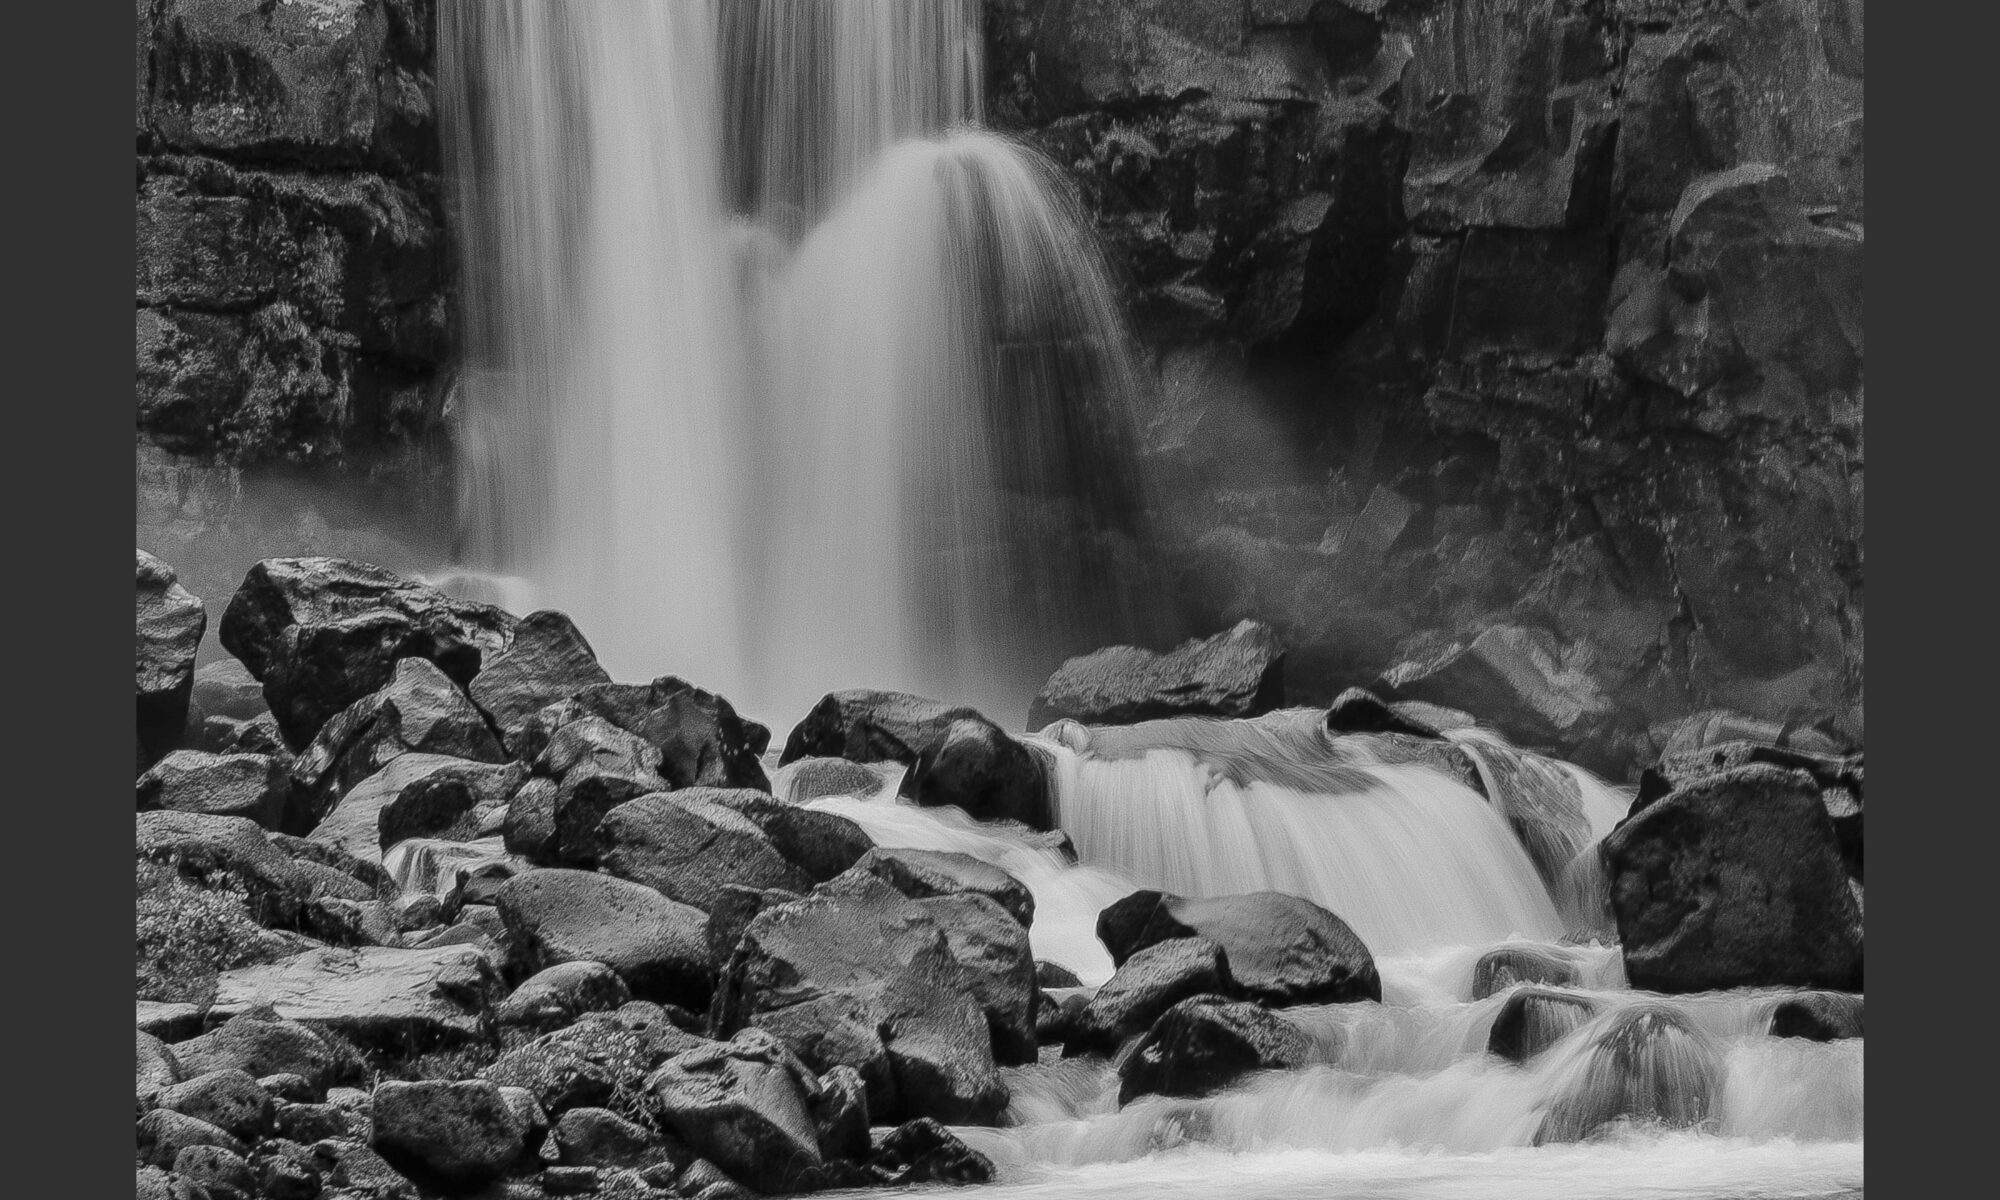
(1503, 967)
(1205, 1043)
(920, 874)
(1146, 985)
(1280, 949)
(688, 848)
(170, 624)
(547, 661)
(746, 1106)
(252, 786)
(1236, 673)
(463, 1131)
(1533, 1019)
(658, 946)
(1818, 1016)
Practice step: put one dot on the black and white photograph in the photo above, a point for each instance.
(1015, 599)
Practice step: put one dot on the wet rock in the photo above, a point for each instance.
(1503, 967)
(744, 1105)
(657, 946)
(821, 844)
(1647, 1063)
(1205, 1043)
(462, 1131)
(864, 726)
(371, 993)
(701, 740)
(1735, 880)
(548, 661)
(1818, 1016)
(163, 1134)
(1533, 1019)
(222, 1172)
(230, 1100)
(857, 974)
(1280, 949)
(1515, 678)
(1146, 985)
(420, 711)
(416, 795)
(1237, 673)
(992, 946)
(920, 874)
(1840, 780)
(251, 786)
(556, 996)
(687, 847)
(923, 1151)
(158, 1069)
(1358, 710)
(812, 778)
(170, 623)
(977, 767)
(321, 633)
(598, 1137)
(599, 766)
(259, 1042)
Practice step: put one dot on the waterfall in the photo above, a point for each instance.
(778, 374)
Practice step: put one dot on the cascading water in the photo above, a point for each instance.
(779, 376)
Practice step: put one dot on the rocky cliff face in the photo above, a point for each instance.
(1537, 314)
(292, 324)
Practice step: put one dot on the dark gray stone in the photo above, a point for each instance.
(1236, 673)
(1280, 949)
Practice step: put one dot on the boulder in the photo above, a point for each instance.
(857, 974)
(261, 1043)
(285, 1169)
(158, 1069)
(321, 633)
(599, 766)
(356, 1170)
(746, 1106)
(463, 1130)
(416, 795)
(1280, 949)
(548, 661)
(920, 874)
(252, 786)
(163, 1134)
(701, 740)
(419, 711)
(1236, 673)
(529, 827)
(1735, 880)
(687, 847)
(1358, 710)
(602, 1059)
(658, 946)
(923, 1151)
(977, 767)
(598, 1137)
(1515, 678)
(170, 624)
(219, 1172)
(1205, 1043)
(1818, 1016)
(1840, 780)
(1505, 966)
(812, 778)
(821, 844)
(866, 726)
(1647, 1063)
(1145, 986)
(991, 945)
(229, 1099)
(309, 1123)
(556, 996)
(1535, 1018)
(1055, 975)
(372, 994)
(234, 851)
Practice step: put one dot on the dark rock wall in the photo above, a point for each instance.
(292, 320)
(1479, 312)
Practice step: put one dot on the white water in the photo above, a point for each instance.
(778, 371)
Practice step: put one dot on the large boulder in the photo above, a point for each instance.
(420, 711)
(1515, 678)
(252, 786)
(865, 726)
(548, 661)
(598, 1137)
(171, 621)
(923, 1151)
(1281, 949)
(262, 1043)
(463, 1131)
(745, 1105)
(701, 739)
(1505, 966)
(977, 767)
(687, 847)
(236, 853)
(373, 994)
(1735, 880)
(821, 844)
(1840, 780)
(658, 946)
(602, 1059)
(991, 944)
(554, 997)
(417, 795)
(1205, 1043)
(1236, 673)
(858, 974)
(598, 766)
(1145, 986)
(920, 874)
(1647, 1063)
(321, 633)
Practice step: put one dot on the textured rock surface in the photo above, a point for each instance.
(372, 993)
(170, 625)
(1146, 985)
(252, 786)
(1237, 673)
(1280, 949)
(688, 848)
(656, 945)
(1207, 1042)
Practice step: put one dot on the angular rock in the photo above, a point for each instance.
(1145, 986)
(992, 946)
(1535, 1018)
(1358, 710)
(865, 726)
(372, 994)
(1205, 1043)
(821, 844)
(321, 633)
(419, 711)
(1648, 1064)
(309, 1123)
(598, 1137)
(259, 1042)
(923, 1151)
(462, 1131)
(416, 795)
(529, 828)
(599, 766)
(977, 767)
(164, 1134)
(1236, 673)
(556, 996)
(687, 847)
(840, 1113)
(857, 974)
(548, 661)
(230, 1100)
(1818, 1016)
(1501, 968)
(701, 740)
(746, 1106)
(1735, 880)
(657, 946)
(1055, 975)
(1515, 679)
(920, 874)
(251, 786)
(1280, 949)
(1840, 780)
(170, 624)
